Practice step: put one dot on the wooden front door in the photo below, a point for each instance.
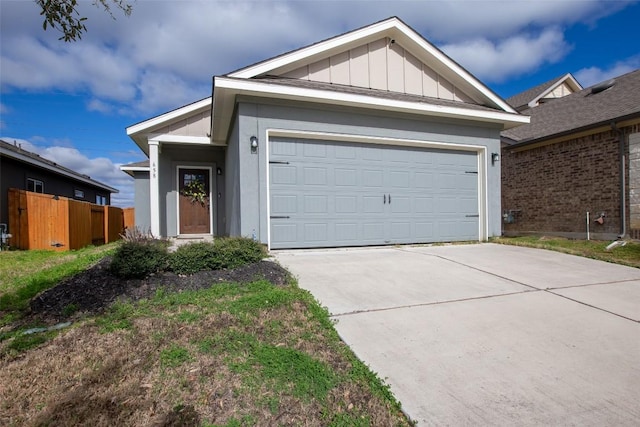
(195, 210)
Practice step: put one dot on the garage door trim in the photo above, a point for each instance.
(351, 138)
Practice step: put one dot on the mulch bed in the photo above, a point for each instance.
(93, 290)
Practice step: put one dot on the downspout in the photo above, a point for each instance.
(623, 181)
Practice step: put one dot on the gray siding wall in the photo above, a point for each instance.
(170, 158)
(232, 215)
(141, 201)
(255, 117)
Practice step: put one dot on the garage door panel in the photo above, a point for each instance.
(400, 231)
(346, 177)
(348, 194)
(315, 176)
(373, 178)
(347, 232)
(372, 204)
(316, 232)
(284, 204)
(345, 152)
(316, 205)
(284, 233)
(400, 205)
(373, 232)
(346, 204)
(286, 175)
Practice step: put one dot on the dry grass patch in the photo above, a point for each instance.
(229, 355)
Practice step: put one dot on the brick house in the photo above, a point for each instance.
(580, 153)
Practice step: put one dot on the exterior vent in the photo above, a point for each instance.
(600, 87)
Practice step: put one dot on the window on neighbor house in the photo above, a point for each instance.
(35, 185)
(101, 200)
(78, 194)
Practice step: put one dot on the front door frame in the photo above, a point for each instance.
(212, 183)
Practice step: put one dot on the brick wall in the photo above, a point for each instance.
(550, 189)
(634, 185)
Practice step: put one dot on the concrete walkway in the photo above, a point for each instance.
(487, 334)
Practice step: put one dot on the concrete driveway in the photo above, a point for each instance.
(487, 334)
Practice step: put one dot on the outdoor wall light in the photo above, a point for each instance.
(219, 171)
(494, 158)
(254, 144)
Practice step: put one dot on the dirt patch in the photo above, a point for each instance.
(93, 290)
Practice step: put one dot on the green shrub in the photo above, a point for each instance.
(138, 259)
(223, 253)
(193, 257)
(237, 251)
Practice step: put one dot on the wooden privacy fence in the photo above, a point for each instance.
(44, 221)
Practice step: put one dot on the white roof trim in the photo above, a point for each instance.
(135, 168)
(387, 26)
(255, 87)
(180, 139)
(567, 78)
(166, 117)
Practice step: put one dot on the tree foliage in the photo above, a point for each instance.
(63, 15)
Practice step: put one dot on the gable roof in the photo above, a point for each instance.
(601, 104)
(276, 78)
(531, 97)
(139, 132)
(16, 152)
(398, 33)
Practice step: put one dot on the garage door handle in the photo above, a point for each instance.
(384, 199)
(389, 198)
(279, 217)
(274, 162)
(473, 216)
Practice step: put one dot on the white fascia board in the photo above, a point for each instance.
(129, 170)
(168, 117)
(315, 49)
(567, 78)
(180, 139)
(255, 87)
(53, 168)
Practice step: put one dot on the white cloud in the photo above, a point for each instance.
(166, 52)
(100, 169)
(592, 75)
(495, 62)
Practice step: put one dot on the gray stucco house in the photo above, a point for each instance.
(371, 137)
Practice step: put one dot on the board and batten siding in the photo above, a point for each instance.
(198, 124)
(381, 65)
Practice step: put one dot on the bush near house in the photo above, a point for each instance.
(139, 258)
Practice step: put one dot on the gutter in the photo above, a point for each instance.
(623, 171)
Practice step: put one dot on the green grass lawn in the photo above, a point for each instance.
(24, 274)
(626, 255)
(229, 355)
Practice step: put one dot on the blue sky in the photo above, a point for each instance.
(71, 102)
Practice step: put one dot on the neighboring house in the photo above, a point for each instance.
(579, 154)
(25, 170)
(371, 137)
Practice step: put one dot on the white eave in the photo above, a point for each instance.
(227, 89)
(129, 170)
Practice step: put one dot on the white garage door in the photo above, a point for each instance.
(330, 194)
